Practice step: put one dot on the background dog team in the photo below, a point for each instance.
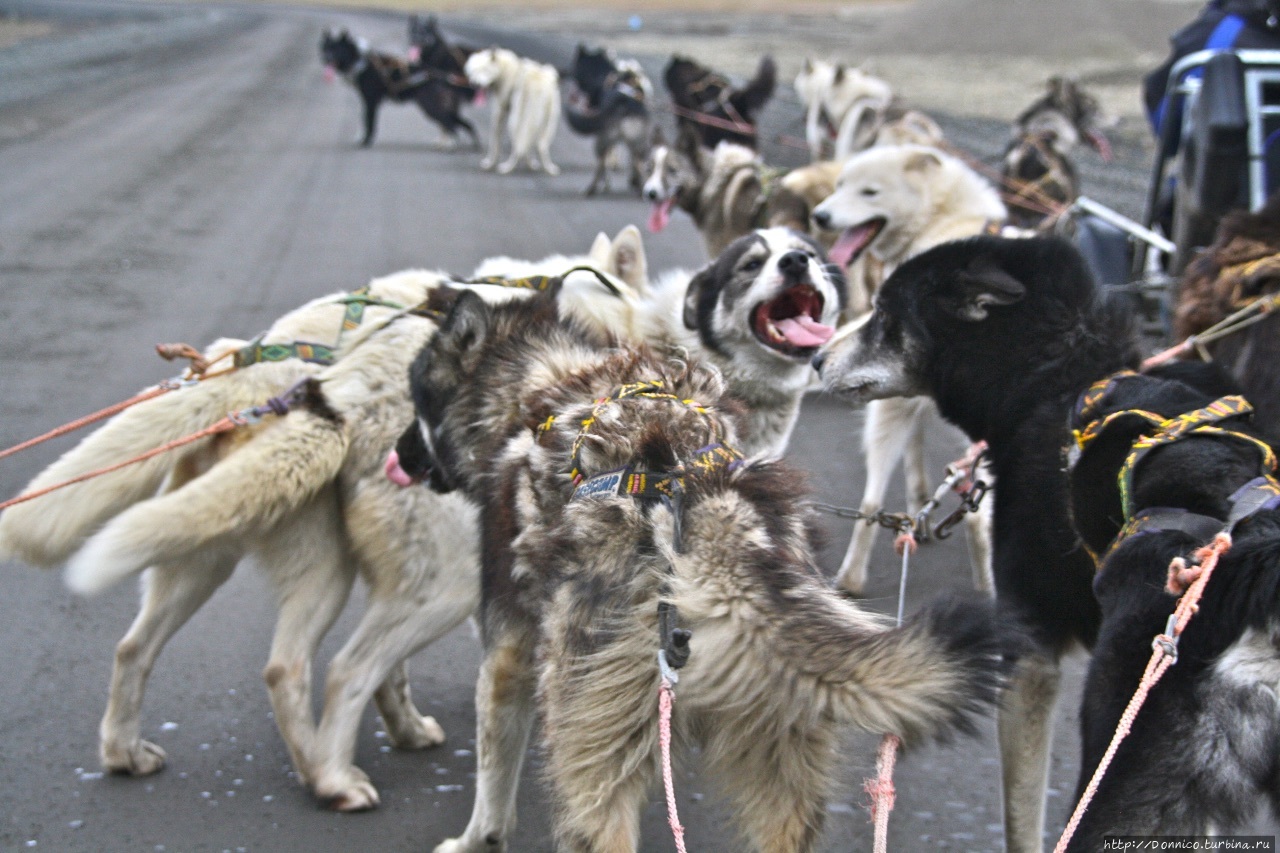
(409, 379)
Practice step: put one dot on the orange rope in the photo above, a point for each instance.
(1164, 655)
(88, 419)
(227, 423)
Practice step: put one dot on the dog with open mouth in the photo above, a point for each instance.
(758, 312)
(892, 202)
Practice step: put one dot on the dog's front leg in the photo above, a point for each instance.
(889, 424)
(371, 104)
(504, 718)
(1026, 729)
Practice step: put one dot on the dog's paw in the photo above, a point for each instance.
(507, 167)
(459, 845)
(550, 168)
(417, 732)
(486, 164)
(348, 791)
(141, 758)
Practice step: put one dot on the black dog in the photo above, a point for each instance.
(431, 50)
(381, 76)
(1205, 749)
(1004, 335)
(610, 103)
(708, 103)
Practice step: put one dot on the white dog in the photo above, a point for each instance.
(526, 107)
(893, 202)
(843, 102)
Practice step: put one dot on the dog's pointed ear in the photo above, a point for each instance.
(981, 285)
(693, 296)
(599, 252)
(689, 143)
(627, 260)
(923, 161)
(467, 325)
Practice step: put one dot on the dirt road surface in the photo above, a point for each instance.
(180, 172)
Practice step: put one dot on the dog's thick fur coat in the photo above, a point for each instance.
(571, 592)
(526, 108)
(729, 191)
(1242, 265)
(378, 76)
(842, 103)
(1204, 752)
(890, 203)
(1004, 334)
(307, 497)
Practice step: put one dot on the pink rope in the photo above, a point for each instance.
(882, 791)
(666, 697)
(1163, 656)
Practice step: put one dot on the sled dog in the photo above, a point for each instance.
(708, 105)
(728, 191)
(892, 202)
(1177, 498)
(526, 108)
(1038, 173)
(610, 103)
(1004, 335)
(618, 520)
(842, 103)
(330, 512)
(378, 76)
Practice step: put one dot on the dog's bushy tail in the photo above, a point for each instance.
(242, 497)
(750, 99)
(934, 675)
(582, 122)
(47, 530)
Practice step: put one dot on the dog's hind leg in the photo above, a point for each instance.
(519, 132)
(546, 124)
(501, 117)
(392, 628)
(504, 720)
(171, 594)
(1025, 725)
(313, 577)
(888, 427)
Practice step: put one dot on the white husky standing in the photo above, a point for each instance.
(893, 202)
(526, 107)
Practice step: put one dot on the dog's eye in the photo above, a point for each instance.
(870, 192)
(752, 265)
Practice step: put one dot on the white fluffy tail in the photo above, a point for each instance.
(47, 530)
(241, 497)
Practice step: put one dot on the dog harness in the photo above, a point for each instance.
(542, 282)
(1260, 493)
(313, 353)
(639, 482)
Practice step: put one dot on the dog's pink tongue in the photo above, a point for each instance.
(481, 98)
(414, 53)
(395, 473)
(660, 214)
(850, 243)
(804, 331)
(1102, 144)
(329, 74)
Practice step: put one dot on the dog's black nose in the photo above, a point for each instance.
(651, 194)
(822, 219)
(793, 264)
(818, 360)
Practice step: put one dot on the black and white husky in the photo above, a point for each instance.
(620, 527)
(379, 77)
